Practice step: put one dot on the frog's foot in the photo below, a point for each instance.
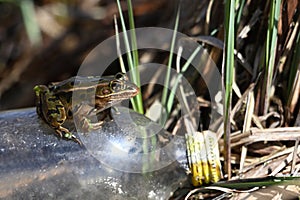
(87, 125)
(65, 133)
(70, 136)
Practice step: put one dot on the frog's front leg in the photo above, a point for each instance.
(88, 125)
(52, 111)
(89, 118)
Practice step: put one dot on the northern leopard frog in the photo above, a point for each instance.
(93, 94)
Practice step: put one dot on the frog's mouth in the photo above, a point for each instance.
(130, 91)
(126, 94)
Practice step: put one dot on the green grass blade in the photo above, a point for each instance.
(164, 114)
(133, 35)
(31, 25)
(259, 182)
(270, 51)
(121, 61)
(174, 88)
(295, 64)
(229, 70)
(137, 100)
(240, 11)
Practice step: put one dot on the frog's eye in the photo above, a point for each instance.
(121, 76)
(114, 85)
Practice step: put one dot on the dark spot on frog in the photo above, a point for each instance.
(69, 99)
(72, 83)
(54, 98)
(52, 111)
(69, 113)
(57, 110)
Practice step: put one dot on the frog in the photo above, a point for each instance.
(93, 95)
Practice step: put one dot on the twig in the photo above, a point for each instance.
(294, 156)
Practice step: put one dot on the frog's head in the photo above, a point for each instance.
(119, 88)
